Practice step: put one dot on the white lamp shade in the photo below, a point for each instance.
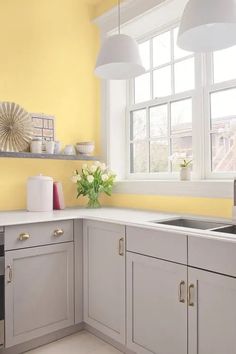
(208, 25)
(119, 59)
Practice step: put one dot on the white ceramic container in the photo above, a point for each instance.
(185, 174)
(40, 193)
(50, 145)
(57, 147)
(36, 146)
(85, 148)
(69, 150)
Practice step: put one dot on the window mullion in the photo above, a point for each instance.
(172, 63)
(169, 136)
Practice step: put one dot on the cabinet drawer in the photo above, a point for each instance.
(30, 235)
(160, 244)
(215, 255)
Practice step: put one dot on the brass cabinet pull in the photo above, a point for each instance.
(121, 246)
(181, 297)
(190, 295)
(9, 280)
(58, 232)
(24, 236)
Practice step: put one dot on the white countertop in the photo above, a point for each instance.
(129, 217)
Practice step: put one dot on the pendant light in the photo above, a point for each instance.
(208, 25)
(119, 57)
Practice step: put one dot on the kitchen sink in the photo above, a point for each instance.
(230, 229)
(194, 224)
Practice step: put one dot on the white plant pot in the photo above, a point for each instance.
(185, 174)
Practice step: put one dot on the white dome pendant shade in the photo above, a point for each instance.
(208, 25)
(119, 59)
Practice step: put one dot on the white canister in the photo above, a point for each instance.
(36, 146)
(50, 147)
(40, 193)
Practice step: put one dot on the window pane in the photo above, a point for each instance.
(159, 156)
(184, 75)
(178, 52)
(158, 121)
(181, 147)
(161, 49)
(162, 82)
(224, 64)
(223, 104)
(223, 152)
(139, 157)
(181, 117)
(142, 88)
(144, 49)
(138, 125)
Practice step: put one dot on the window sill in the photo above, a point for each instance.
(194, 188)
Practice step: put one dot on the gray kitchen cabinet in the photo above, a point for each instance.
(39, 291)
(156, 306)
(104, 278)
(212, 313)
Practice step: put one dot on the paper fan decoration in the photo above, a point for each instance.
(16, 129)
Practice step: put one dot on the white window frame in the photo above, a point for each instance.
(192, 94)
(138, 17)
(211, 87)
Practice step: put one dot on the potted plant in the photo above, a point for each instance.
(92, 181)
(185, 164)
(185, 170)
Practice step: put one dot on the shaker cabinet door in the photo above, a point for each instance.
(104, 278)
(212, 313)
(39, 292)
(156, 306)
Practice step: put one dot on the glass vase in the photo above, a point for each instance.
(93, 203)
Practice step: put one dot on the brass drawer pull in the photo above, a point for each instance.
(9, 280)
(190, 295)
(121, 246)
(58, 232)
(181, 297)
(24, 236)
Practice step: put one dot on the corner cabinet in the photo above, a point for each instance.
(104, 278)
(39, 291)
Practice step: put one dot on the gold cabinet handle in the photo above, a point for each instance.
(24, 236)
(181, 297)
(9, 268)
(58, 232)
(190, 295)
(121, 246)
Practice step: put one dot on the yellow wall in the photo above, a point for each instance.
(48, 51)
(174, 204)
(103, 6)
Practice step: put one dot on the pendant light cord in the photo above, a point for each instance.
(118, 16)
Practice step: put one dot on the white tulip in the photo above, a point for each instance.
(90, 178)
(93, 168)
(105, 177)
(85, 166)
(78, 178)
(97, 163)
(111, 173)
(103, 167)
(74, 179)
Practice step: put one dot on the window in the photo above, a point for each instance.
(161, 111)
